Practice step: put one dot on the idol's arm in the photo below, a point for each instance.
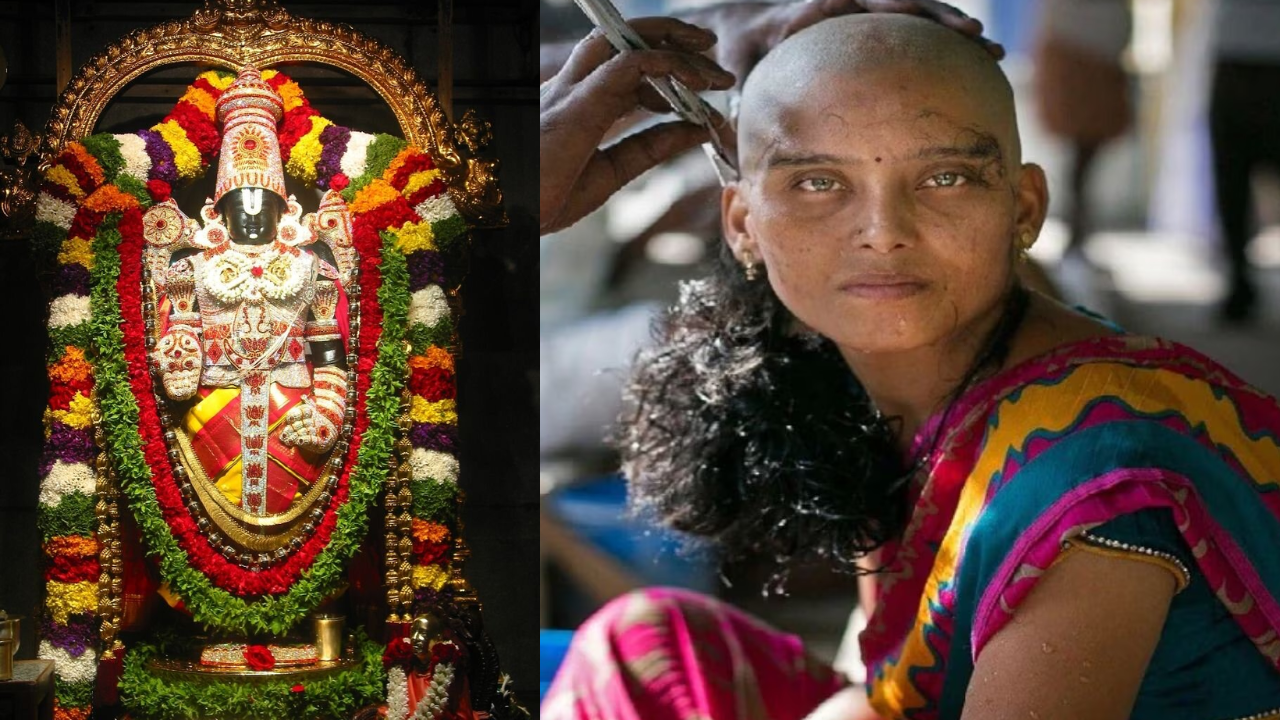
(177, 353)
(314, 423)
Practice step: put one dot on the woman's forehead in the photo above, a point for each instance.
(861, 122)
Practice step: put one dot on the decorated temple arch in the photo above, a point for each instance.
(249, 482)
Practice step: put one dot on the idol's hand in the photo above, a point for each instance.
(748, 30)
(314, 423)
(177, 356)
(307, 429)
(596, 88)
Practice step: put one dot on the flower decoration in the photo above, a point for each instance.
(445, 652)
(259, 657)
(89, 215)
(398, 652)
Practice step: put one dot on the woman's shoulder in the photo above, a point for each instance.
(1069, 364)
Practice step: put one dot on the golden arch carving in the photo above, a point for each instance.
(235, 33)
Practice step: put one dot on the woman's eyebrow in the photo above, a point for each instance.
(985, 147)
(777, 159)
(982, 147)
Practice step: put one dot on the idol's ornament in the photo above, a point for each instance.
(234, 400)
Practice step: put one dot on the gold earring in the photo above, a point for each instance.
(749, 266)
(1025, 241)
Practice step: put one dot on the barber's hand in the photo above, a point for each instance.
(597, 87)
(748, 30)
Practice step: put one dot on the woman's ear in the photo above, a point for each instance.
(1032, 200)
(733, 223)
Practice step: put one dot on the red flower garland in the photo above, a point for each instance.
(296, 123)
(398, 652)
(85, 224)
(69, 569)
(415, 162)
(61, 394)
(435, 188)
(432, 384)
(445, 652)
(428, 553)
(200, 130)
(159, 190)
(71, 162)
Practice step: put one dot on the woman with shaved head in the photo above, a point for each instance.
(1050, 518)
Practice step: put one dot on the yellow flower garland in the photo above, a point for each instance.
(66, 599)
(415, 236)
(432, 576)
(419, 180)
(306, 153)
(64, 177)
(77, 416)
(440, 411)
(222, 82)
(76, 250)
(185, 155)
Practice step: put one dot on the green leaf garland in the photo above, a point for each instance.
(422, 337)
(434, 500)
(154, 697)
(73, 515)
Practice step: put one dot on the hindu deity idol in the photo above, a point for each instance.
(251, 323)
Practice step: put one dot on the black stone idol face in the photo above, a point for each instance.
(251, 228)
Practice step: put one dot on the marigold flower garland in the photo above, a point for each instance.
(89, 214)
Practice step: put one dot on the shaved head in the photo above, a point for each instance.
(882, 184)
(808, 68)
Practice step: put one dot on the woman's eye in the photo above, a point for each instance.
(818, 184)
(946, 179)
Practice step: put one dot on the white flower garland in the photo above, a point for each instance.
(54, 210)
(433, 705)
(428, 306)
(137, 163)
(353, 160)
(64, 479)
(435, 209)
(433, 465)
(70, 669)
(68, 310)
(397, 694)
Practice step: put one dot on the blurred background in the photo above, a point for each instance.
(1157, 123)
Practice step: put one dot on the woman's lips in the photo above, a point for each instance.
(884, 287)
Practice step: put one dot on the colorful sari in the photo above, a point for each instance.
(1118, 445)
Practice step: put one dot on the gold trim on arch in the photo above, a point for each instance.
(235, 33)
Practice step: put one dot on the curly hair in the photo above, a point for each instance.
(758, 438)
